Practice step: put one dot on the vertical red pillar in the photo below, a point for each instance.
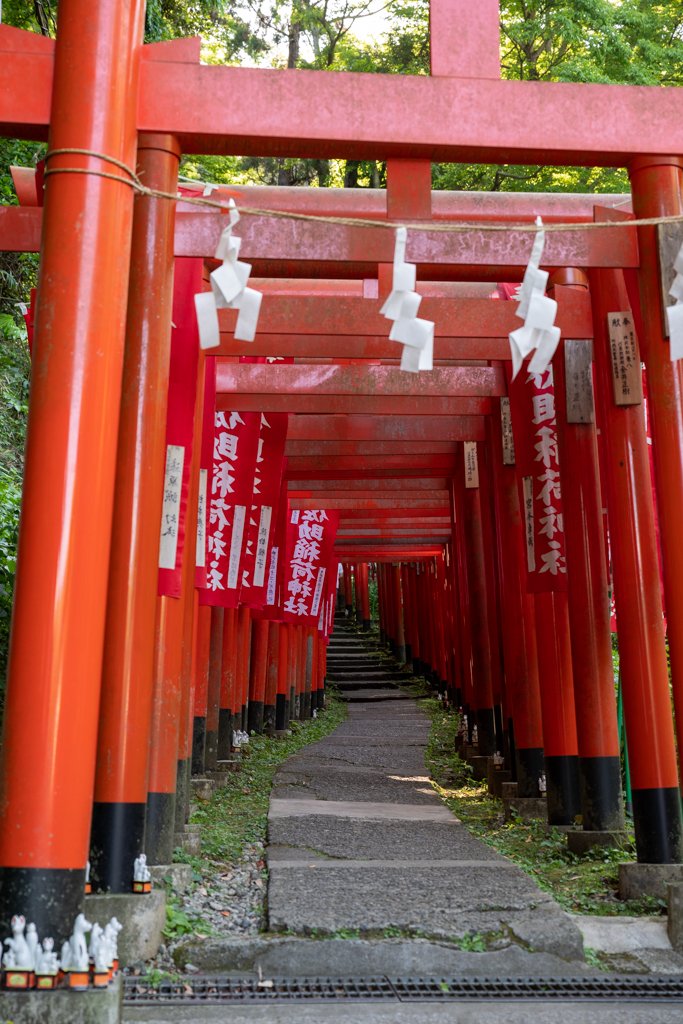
(470, 503)
(202, 654)
(364, 597)
(644, 672)
(557, 707)
(161, 798)
(381, 600)
(407, 613)
(348, 589)
(588, 586)
(257, 674)
(518, 621)
(657, 192)
(271, 678)
(283, 674)
(190, 602)
(244, 630)
(50, 727)
(213, 701)
(460, 569)
(398, 613)
(226, 714)
(118, 824)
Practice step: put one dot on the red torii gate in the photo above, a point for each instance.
(99, 96)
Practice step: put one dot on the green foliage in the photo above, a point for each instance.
(237, 814)
(585, 884)
(179, 922)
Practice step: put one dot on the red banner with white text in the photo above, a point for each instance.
(235, 448)
(264, 509)
(534, 426)
(308, 563)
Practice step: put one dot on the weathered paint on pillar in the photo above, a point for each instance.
(644, 671)
(118, 825)
(48, 759)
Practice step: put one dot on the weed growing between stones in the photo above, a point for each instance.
(582, 884)
(237, 813)
(227, 897)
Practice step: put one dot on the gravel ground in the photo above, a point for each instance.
(230, 900)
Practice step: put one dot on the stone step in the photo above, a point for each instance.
(372, 696)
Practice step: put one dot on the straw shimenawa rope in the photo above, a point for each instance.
(452, 227)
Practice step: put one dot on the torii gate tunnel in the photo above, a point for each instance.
(122, 670)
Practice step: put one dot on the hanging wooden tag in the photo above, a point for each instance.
(626, 369)
(471, 465)
(528, 490)
(507, 436)
(669, 240)
(578, 364)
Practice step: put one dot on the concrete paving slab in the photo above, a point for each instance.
(370, 840)
(353, 696)
(365, 784)
(623, 934)
(389, 1012)
(357, 958)
(437, 900)
(359, 809)
(407, 760)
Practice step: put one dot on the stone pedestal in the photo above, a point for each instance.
(636, 880)
(480, 766)
(526, 807)
(582, 840)
(189, 840)
(96, 1006)
(202, 789)
(508, 790)
(173, 877)
(143, 918)
(496, 778)
(674, 899)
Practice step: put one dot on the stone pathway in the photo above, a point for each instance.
(370, 875)
(360, 842)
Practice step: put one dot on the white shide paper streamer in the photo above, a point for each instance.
(228, 291)
(539, 333)
(674, 314)
(416, 335)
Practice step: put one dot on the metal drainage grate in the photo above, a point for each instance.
(225, 989)
(638, 988)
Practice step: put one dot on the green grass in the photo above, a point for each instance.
(582, 884)
(237, 814)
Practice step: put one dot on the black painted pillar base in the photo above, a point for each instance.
(117, 837)
(657, 821)
(409, 654)
(198, 744)
(602, 807)
(349, 610)
(281, 712)
(511, 752)
(225, 728)
(160, 828)
(306, 702)
(530, 764)
(211, 752)
(49, 897)
(366, 625)
(255, 716)
(182, 794)
(498, 722)
(245, 717)
(321, 698)
(269, 719)
(401, 655)
(486, 731)
(382, 636)
(563, 791)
